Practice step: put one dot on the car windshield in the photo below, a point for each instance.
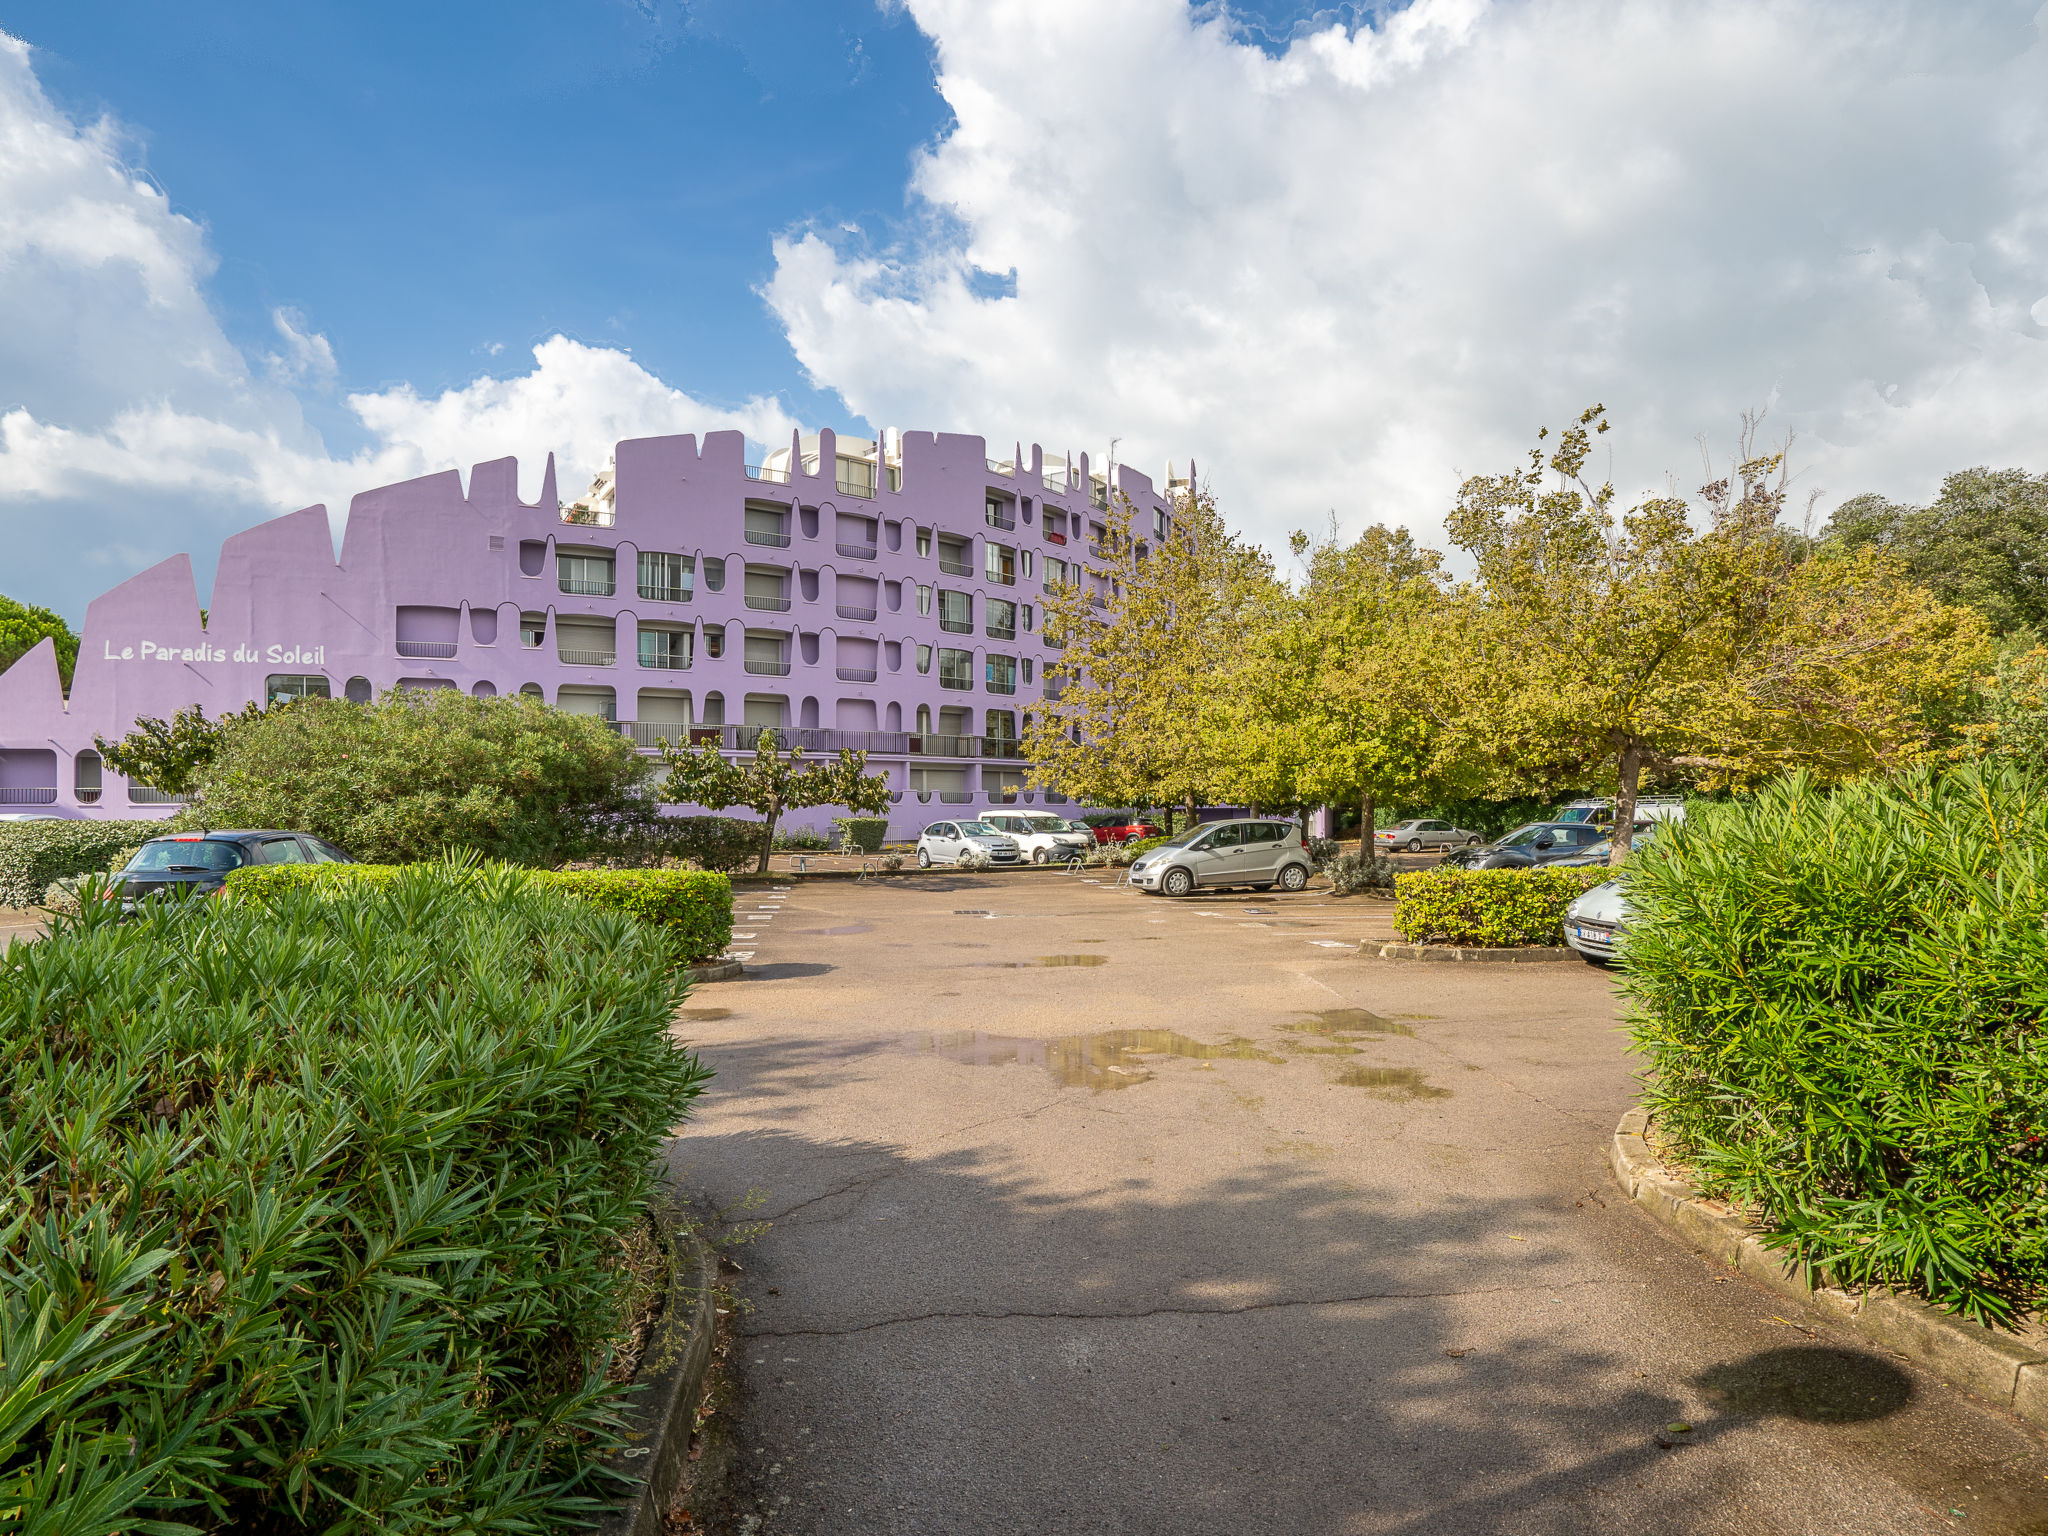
(1043, 824)
(977, 829)
(1521, 837)
(170, 853)
(1183, 838)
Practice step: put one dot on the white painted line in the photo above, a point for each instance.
(740, 954)
(1332, 944)
(746, 935)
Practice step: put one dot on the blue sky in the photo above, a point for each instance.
(258, 256)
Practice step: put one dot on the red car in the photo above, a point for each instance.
(1117, 829)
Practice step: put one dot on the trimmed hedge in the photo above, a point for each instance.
(693, 907)
(722, 843)
(861, 834)
(1488, 908)
(1843, 998)
(35, 853)
(314, 1210)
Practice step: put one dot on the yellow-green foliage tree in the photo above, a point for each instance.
(1644, 643)
(1146, 636)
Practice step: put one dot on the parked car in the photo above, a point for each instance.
(1415, 836)
(1252, 852)
(1044, 838)
(943, 842)
(1599, 810)
(28, 816)
(1123, 829)
(1538, 843)
(1603, 850)
(1595, 922)
(200, 862)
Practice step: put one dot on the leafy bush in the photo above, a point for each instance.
(799, 840)
(314, 1210)
(1841, 998)
(721, 843)
(35, 853)
(861, 834)
(693, 908)
(1487, 908)
(972, 857)
(1323, 851)
(1142, 846)
(424, 771)
(1350, 873)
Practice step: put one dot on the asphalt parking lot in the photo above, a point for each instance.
(1092, 1212)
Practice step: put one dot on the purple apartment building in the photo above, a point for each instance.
(882, 596)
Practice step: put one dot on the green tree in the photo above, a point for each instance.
(1146, 634)
(770, 782)
(423, 771)
(171, 754)
(1983, 543)
(23, 626)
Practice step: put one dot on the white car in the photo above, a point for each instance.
(1044, 839)
(943, 842)
(1595, 922)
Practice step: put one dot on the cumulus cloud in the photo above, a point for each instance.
(131, 427)
(1346, 273)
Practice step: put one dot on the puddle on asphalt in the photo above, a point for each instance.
(843, 928)
(1809, 1382)
(1391, 1082)
(1343, 1023)
(1115, 1058)
(1047, 962)
(703, 1015)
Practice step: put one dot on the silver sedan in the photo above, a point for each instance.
(1415, 836)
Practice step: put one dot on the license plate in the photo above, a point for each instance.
(1601, 934)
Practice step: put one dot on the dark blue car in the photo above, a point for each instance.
(198, 863)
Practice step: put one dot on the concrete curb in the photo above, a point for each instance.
(660, 1411)
(1525, 955)
(1994, 1366)
(717, 970)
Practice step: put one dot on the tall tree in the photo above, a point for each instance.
(770, 782)
(23, 626)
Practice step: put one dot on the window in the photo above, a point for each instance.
(924, 719)
(1001, 615)
(1001, 564)
(924, 600)
(956, 557)
(714, 640)
(1264, 832)
(1001, 724)
(1030, 618)
(1230, 835)
(284, 687)
(1027, 669)
(1024, 558)
(714, 573)
(281, 850)
(924, 664)
(667, 578)
(767, 525)
(1158, 524)
(325, 853)
(666, 648)
(533, 630)
(1002, 674)
(956, 668)
(1055, 573)
(585, 575)
(956, 612)
(924, 543)
(995, 511)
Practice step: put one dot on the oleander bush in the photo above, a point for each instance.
(1487, 908)
(314, 1209)
(1350, 873)
(861, 834)
(1842, 998)
(692, 908)
(724, 844)
(33, 854)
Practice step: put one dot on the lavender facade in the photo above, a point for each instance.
(883, 596)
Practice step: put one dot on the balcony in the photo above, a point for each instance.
(1002, 578)
(1055, 538)
(767, 668)
(856, 551)
(144, 794)
(764, 536)
(652, 733)
(955, 567)
(957, 626)
(1097, 600)
(767, 474)
(1098, 497)
(29, 796)
(1002, 467)
(848, 487)
(587, 586)
(667, 594)
(668, 663)
(997, 519)
(856, 674)
(1057, 484)
(87, 796)
(956, 797)
(1002, 631)
(956, 682)
(581, 658)
(1002, 747)
(767, 604)
(1100, 551)
(849, 611)
(998, 685)
(436, 650)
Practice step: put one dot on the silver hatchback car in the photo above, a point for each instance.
(1252, 852)
(943, 842)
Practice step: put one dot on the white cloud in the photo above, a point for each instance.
(1348, 274)
(131, 427)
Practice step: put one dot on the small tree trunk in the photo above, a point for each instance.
(1625, 800)
(768, 835)
(1366, 812)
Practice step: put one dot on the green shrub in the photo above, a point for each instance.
(1487, 908)
(1842, 998)
(799, 840)
(722, 843)
(861, 834)
(35, 853)
(314, 1209)
(1350, 873)
(1145, 845)
(694, 908)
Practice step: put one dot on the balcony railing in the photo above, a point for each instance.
(955, 567)
(768, 473)
(1098, 498)
(853, 488)
(1002, 467)
(768, 604)
(666, 594)
(957, 626)
(87, 796)
(147, 794)
(1008, 748)
(1097, 600)
(850, 611)
(1002, 578)
(1054, 538)
(763, 536)
(997, 685)
(956, 797)
(29, 796)
(652, 733)
(1099, 550)
(767, 668)
(1057, 484)
(582, 658)
(956, 682)
(856, 674)
(1002, 631)
(857, 551)
(587, 586)
(438, 650)
(997, 519)
(668, 663)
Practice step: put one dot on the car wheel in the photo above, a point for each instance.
(1038, 855)
(1415, 845)
(924, 858)
(1178, 882)
(1593, 960)
(1471, 842)
(1293, 878)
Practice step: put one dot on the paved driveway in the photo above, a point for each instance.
(1098, 1213)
